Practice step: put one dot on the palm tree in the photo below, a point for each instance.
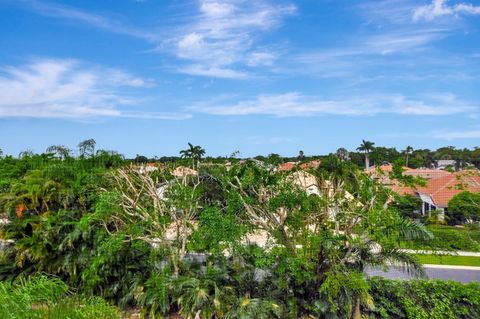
(195, 152)
(301, 155)
(366, 147)
(408, 151)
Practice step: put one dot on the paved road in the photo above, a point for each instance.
(461, 274)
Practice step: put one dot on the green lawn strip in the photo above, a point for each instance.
(448, 260)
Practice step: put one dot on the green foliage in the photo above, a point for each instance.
(423, 299)
(217, 231)
(448, 238)
(407, 180)
(187, 244)
(408, 205)
(464, 206)
(48, 297)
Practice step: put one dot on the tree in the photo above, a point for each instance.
(476, 157)
(342, 232)
(342, 153)
(26, 153)
(140, 159)
(366, 147)
(86, 148)
(235, 154)
(408, 151)
(194, 152)
(61, 151)
(464, 207)
(274, 159)
(301, 156)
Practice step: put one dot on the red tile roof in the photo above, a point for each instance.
(442, 189)
(286, 166)
(290, 165)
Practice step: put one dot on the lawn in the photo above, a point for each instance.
(448, 260)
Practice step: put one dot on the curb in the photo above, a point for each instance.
(451, 267)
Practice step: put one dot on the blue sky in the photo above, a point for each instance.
(148, 76)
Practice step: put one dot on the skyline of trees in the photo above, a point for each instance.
(376, 155)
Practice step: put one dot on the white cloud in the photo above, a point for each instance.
(216, 8)
(456, 135)
(224, 35)
(213, 71)
(296, 104)
(52, 88)
(260, 58)
(440, 8)
(65, 12)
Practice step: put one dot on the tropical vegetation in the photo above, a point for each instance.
(212, 241)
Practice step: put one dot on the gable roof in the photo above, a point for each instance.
(287, 166)
(442, 189)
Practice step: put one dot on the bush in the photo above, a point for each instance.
(464, 207)
(424, 299)
(48, 297)
(449, 238)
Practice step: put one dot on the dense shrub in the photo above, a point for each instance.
(464, 207)
(449, 238)
(48, 297)
(418, 299)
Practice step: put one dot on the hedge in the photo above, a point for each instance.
(423, 299)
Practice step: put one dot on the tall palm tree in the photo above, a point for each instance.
(366, 147)
(195, 152)
(408, 151)
(301, 155)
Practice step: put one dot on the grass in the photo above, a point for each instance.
(448, 260)
(448, 238)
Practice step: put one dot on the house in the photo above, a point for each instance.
(452, 164)
(148, 168)
(444, 164)
(182, 171)
(288, 166)
(305, 181)
(312, 164)
(440, 189)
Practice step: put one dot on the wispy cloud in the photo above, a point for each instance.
(51, 9)
(222, 37)
(397, 41)
(52, 88)
(456, 135)
(295, 104)
(220, 40)
(440, 8)
(360, 55)
(213, 71)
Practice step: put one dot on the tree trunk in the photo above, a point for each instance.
(357, 314)
(367, 162)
